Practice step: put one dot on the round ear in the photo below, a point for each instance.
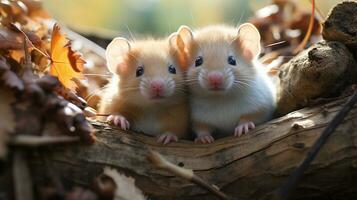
(248, 39)
(175, 41)
(186, 35)
(115, 53)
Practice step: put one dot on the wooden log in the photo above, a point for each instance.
(250, 167)
(341, 25)
(323, 70)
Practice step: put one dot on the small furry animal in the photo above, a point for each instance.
(229, 92)
(147, 91)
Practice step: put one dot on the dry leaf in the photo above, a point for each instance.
(3, 65)
(10, 39)
(7, 121)
(65, 63)
(12, 80)
(126, 189)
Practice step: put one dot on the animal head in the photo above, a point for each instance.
(149, 71)
(219, 57)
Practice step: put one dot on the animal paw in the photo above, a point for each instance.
(167, 138)
(119, 121)
(243, 128)
(204, 138)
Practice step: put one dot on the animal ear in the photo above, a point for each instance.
(181, 41)
(116, 52)
(182, 38)
(186, 34)
(248, 39)
(176, 41)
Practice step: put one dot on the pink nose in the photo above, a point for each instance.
(215, 79)
(157, 86)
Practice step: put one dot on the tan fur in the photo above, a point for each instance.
(224, 110)
(175, 120)
(169, 115)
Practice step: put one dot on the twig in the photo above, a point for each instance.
(320, 15)
(294, 178)
(309, 30)
(22, 178)
(27, 60)
(160, 162)
(102, 115)
(36, 141)
(29, 41)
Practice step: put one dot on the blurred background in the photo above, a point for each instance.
(110, 18)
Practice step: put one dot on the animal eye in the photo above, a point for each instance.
(232, 60)
(139, 71)
(199, 61)
(172, 69)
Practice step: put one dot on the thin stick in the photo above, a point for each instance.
(21, 177)
(160, 162)
(276, 43)
(102, 115)
(294, 178)
(321, 16)
(36, 141)
(309, 30)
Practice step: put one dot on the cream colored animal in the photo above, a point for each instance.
(147, 92)
(229, 92)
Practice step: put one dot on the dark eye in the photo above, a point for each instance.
(199, 61)
(172, 69)
(232, 60)
(139, 71)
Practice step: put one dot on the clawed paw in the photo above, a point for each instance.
(207, 138)
(119, 121)
(167, 138)
(243, 128)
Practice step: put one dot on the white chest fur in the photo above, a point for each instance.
(222, 112)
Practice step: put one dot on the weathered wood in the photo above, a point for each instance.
(323, 70)
(341, 25)
(250, 167)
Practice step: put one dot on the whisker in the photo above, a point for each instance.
(240, 19)
(94, 92)
(104, 75)
(276, 43)
(131, 34)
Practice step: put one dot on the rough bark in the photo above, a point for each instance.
(321, 71)
(341, 25)
(250, 167)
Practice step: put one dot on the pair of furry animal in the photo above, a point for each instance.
(209, 75)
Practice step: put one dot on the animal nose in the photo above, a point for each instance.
(215, 79)
(157, 86)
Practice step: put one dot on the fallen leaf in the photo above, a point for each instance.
(7, 121)
(35, 9)
(65, 63)
(17, 55)
(3, 64)
(125, 186)
(10, 39)
(12, 80)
